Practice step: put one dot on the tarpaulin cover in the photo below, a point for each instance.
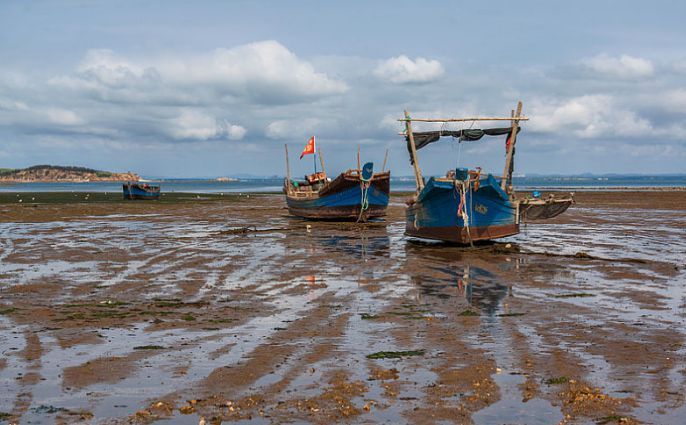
(424, 138)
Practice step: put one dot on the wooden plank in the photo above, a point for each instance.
(417, 171)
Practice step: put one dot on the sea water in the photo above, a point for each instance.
(398, 184)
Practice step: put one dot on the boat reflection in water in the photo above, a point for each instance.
(360, 245)
(446, 273)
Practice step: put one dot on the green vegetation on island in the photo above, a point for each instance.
(58, 173)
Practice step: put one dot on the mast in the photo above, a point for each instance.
(314, 156)
(288, 170)
(385, 158)
(288, 164)
(507, 172)
(321, 161)
(417, 172)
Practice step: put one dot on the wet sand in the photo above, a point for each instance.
(136, 312)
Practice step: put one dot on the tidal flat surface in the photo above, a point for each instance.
(170, 312)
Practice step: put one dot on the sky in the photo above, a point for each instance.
(217, 88)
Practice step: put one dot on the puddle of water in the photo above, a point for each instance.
(511, 409)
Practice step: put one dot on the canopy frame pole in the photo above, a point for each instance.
(417, 171)
(288, 170)
(507, 172)
(518, 118)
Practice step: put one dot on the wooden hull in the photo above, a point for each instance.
(341, 199)
(460, 236)
(334, 213)
(139, 191)
(434, 215)
(543, 209)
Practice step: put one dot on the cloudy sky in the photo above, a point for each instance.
(202, 89)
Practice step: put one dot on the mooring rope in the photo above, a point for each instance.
(462, 207)
(364, 201)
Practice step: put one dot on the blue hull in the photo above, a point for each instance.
(138, 191)
(434, 215)
(342, 200)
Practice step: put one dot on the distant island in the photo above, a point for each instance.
(56, 173)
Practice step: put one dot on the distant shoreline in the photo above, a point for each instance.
(62, 174)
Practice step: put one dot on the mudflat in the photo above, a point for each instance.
(225, 308)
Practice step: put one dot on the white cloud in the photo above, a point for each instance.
(263, 72)
(587, 117)
(285, 129)
(389, 122)
(401, 70)
(232, 131)
(191, 124)
(277, 129)
(675, 100)
(110, 69)
(13, 105)
(624, 66)
(63, 116)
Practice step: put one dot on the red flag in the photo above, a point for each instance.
(309, 148)
(508, 142)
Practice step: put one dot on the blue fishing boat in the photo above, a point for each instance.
(467, 206)
(356, 194)
(135, 190)
(452, 209)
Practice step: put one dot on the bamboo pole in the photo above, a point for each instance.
(518, 118)
(321, 160)
(288, 170)
(385, 158)
(417, 172)
(507, 175)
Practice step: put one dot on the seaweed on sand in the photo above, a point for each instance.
(395, 354)
(558, 380)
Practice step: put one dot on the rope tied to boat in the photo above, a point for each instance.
(461, 188)
(365, 184)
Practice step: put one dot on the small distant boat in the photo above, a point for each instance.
(357, 194)
(465, 206)
(133, 190)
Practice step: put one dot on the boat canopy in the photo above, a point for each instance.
(424, 138)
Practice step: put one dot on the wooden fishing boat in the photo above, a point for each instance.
(135, 190)
(357, 194)
(467, 206)
(537, 208)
